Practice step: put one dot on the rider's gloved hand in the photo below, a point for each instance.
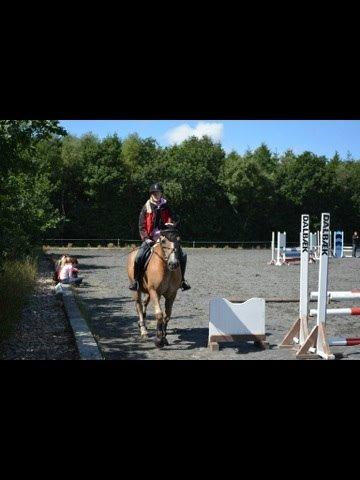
(149, 241)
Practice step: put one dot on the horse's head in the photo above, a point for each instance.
(170, 243)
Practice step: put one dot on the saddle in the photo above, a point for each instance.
(144, 260)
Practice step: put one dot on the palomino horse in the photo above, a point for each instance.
(162, 277)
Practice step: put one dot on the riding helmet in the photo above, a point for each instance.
(155, 187)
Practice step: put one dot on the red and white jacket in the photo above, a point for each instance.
(153, 217)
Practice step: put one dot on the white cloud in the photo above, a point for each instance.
(184, 131)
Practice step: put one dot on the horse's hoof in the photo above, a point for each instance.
(144, 337)
(165, 341)
(159, 342)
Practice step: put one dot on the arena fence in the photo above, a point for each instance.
(121, 242)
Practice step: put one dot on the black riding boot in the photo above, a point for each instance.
(183, 259)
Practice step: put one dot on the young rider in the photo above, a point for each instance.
(154, 216)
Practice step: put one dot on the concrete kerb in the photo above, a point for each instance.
(86, 344)
(85, 341)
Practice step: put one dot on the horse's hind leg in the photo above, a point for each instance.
(139, 310)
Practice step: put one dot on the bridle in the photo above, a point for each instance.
(172, 249)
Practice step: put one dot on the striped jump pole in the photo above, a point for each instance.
(340, 342)
(343, 342)
(338, 311)
(291, 260)
(292, 254)
(316, 340)
(299, 330)
(337, 295)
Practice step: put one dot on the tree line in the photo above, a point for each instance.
(58, 185)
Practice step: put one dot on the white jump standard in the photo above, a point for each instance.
(283, 254)
(339, 244)
(316, 340)
(340, 250)
(290, 256)
(299, 330)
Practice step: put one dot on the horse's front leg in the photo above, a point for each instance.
(159, 342)
(145, 304)
(169, 301)
(139, 310)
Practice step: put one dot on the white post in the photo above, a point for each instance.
(298, 332)
(281, 248)
(304, 268)
(323, 268)
(312, 242)
(278, 249)
(273, 247)
(284, 246)
(318, 243)
(322, 346)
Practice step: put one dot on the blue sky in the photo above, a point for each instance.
(322, 137)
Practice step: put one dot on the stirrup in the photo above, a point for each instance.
(134, 286)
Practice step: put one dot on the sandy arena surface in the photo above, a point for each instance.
(211, 272)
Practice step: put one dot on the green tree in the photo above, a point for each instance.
(190, 174)
(249, 185)
(26, 211)
(305, 185)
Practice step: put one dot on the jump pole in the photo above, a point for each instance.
(316, 341)
(340, 342)
(343, 342)
(337, 295)
(299, 330)
(339, 311)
